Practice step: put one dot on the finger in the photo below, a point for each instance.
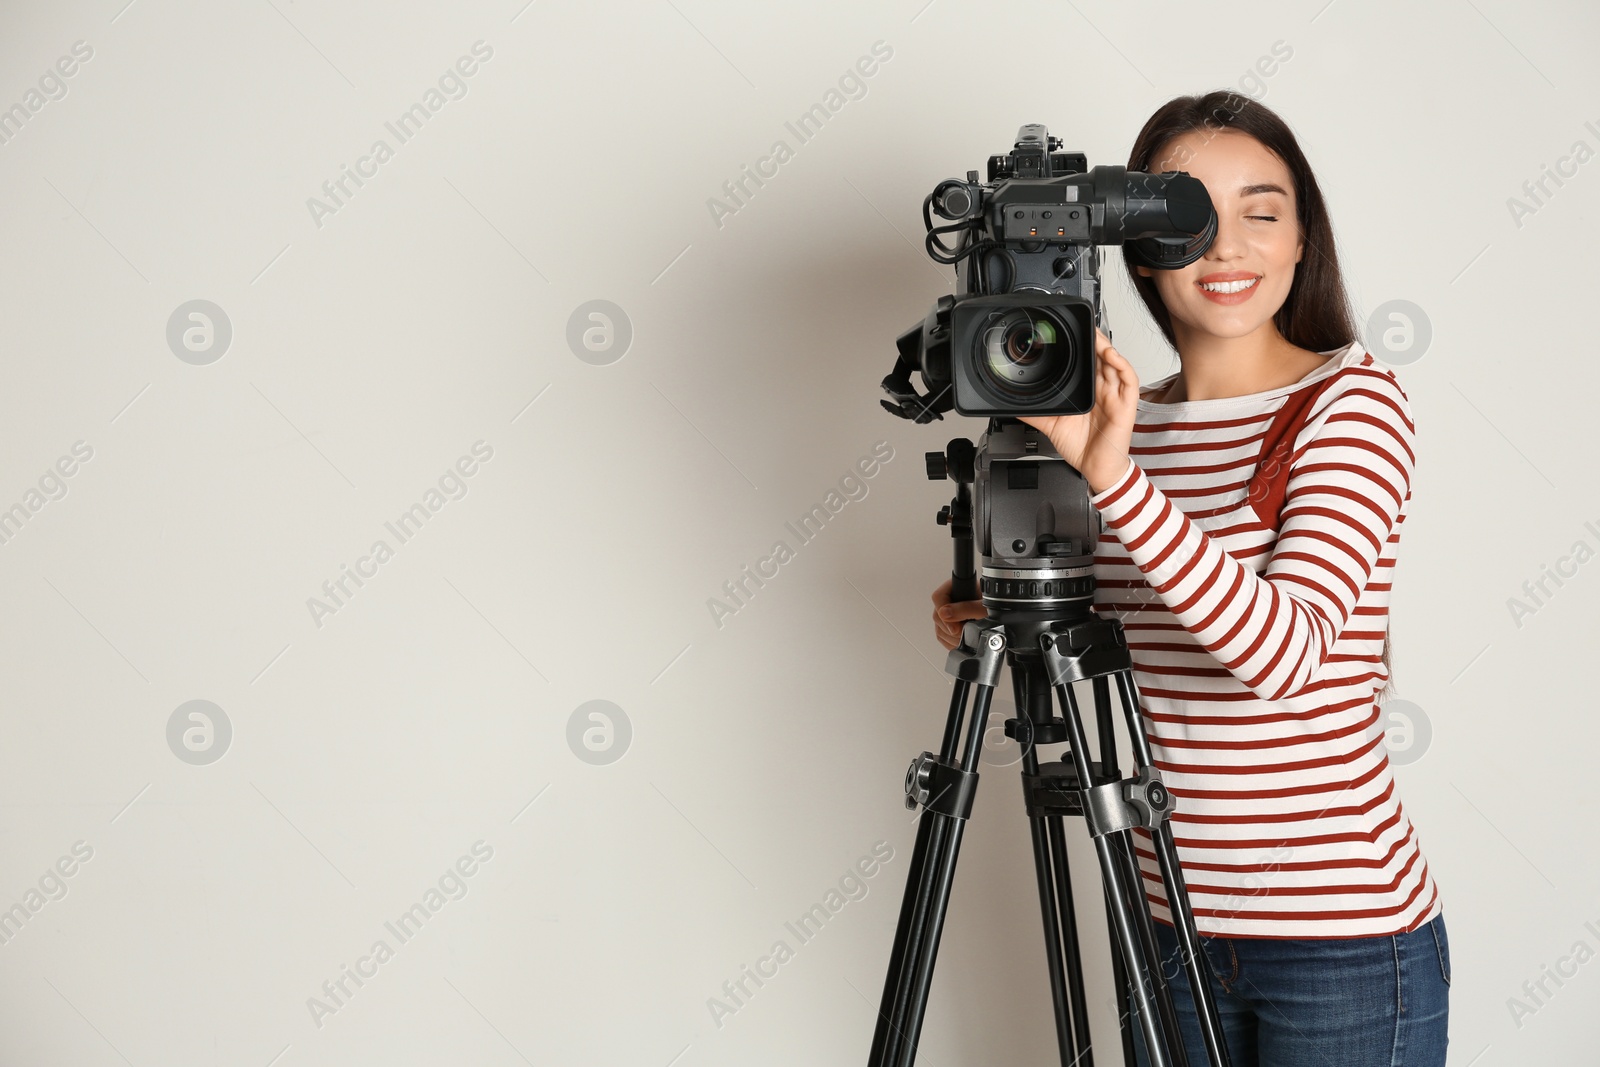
(1110, 384)
(1129, 382)
(1119, 369)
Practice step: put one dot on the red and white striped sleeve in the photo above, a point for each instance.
(1349, 477)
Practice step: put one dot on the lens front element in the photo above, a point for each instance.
(1025, 352)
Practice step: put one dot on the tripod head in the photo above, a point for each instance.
(1026, 512)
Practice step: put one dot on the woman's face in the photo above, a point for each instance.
(1258, 235)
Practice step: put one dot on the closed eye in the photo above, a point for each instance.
(1269, 218)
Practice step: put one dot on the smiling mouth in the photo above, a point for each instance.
(1238, 286)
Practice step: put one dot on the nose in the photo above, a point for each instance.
(1228, 243)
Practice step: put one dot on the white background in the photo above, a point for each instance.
(431, 710)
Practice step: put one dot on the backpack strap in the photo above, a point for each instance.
(1269, 485)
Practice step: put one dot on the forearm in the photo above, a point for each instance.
(1273, 631)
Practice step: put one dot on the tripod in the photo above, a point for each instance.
(1050, 641)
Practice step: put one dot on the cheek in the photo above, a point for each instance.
(1175, 286)
(1281, 266)
(1278, 249)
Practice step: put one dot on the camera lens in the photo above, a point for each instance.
(1025, 352)
(1025, 341)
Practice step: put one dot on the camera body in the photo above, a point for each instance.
(1018, 337)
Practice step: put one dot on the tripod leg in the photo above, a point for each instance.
(1080, 1007)
(1119, 977)
(1127, 860)
(1122, 846)
(890, 1030)
(1163, 1053)
(1195, 961)
(1032, 691)
(1109, 766)
(1123, 899)
(944, 872)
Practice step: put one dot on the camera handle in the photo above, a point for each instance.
(958, 462)
(908, 403)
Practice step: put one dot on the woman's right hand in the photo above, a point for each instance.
(948, 617)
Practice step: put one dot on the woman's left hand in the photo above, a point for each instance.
(1096, 443)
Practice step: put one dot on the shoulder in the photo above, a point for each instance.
(1364, 388)
(1359, 420)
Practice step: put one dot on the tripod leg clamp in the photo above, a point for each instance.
(981, 666)
(940, 786)
(1074, 651)
(1142, 801)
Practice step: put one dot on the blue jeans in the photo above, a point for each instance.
(1343, 1002)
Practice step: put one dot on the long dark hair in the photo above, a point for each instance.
(1317, 313)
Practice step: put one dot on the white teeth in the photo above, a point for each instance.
(1229, 287)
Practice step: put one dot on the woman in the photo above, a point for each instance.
(1252, 505)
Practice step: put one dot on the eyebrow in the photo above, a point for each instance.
(1264, 187)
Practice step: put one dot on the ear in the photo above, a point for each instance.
(1144, 272)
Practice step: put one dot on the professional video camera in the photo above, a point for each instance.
(1018, 337)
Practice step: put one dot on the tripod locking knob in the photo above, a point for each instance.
(1121, 805)
(957, 462)
(919, 777)
(940, 786)
(1149, 797)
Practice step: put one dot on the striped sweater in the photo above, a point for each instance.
(1258, 654)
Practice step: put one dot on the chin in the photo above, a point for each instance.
(1218, 322)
